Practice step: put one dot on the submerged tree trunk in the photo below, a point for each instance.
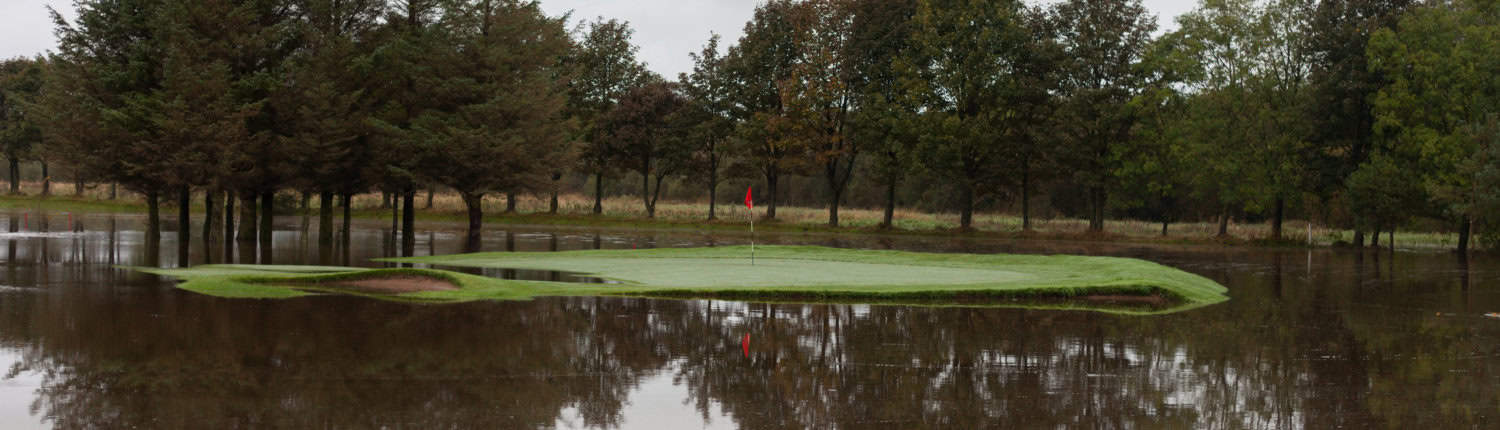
(385, 200)
(325, 228)
(228, 226)
(184, 224)
(209, 224)
(474, 203)
(598, 193)
(409, 223)
(267, 215)
(344, 240)
(248, 220)
(1464, 230)
(153, 228)
(1277, 215)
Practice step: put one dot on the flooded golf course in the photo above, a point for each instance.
(1309, 339)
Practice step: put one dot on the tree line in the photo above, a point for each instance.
(1359, 113)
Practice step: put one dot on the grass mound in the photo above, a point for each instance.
(779, 273)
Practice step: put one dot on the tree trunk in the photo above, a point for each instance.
(15, 176)
(184, 224)
(267, 216)
(228, 226)
(325, 228)
(306, 202)
(1375, 239)
(773, 177)
(474, 204)
(713, 189)
(1164, 227)
(1464, 230)
(598, 193)
(890, 205)
(552, 203)
(646, 190)
(510, 202)
(385, 200)
(1359, 238)
(112, 193)
(248, 220)
(430, 191)
(409, 223)
(835, 191)
(344, 240)
(966, 213)
(1026, 197)
(1391, 239)
(209, 225)
(153, 228)
(1099, 198)
(1224, 222)
(1277, 216)
(46, 181)
(655, 194)
(78, 183)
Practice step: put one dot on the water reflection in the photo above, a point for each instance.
(1315, 339)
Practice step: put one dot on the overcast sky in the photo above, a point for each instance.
(666, 30)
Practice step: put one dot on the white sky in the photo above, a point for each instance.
(666, 30)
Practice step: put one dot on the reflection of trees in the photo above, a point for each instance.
(1333, 346)
(165, 358)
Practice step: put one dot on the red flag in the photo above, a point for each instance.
(749, 203)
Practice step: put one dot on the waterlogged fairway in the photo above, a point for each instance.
(780, 273)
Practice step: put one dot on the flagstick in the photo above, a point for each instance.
(752, 236)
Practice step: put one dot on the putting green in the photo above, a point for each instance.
(780, 273)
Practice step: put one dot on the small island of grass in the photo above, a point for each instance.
(779, 274)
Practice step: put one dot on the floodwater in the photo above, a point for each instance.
(1310, 339)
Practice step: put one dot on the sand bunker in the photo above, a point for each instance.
(393, 284)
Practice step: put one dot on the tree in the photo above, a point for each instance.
(1433, 119)
(880, 34)
(1221, 37)
(963, 70)
(604, 68)
(820, 94)
(20, 86)
(762, 66)
(1104, 42)
(500, 96)
(108, 67)
(330, 96)
(709, 106)
(1342, 89)
(1156, 169)
(647, 127)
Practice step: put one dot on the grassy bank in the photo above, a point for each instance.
(627, 212)
(779, 273)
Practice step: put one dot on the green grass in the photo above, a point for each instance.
(780, 274)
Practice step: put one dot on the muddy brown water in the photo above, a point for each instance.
(1310, 339)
